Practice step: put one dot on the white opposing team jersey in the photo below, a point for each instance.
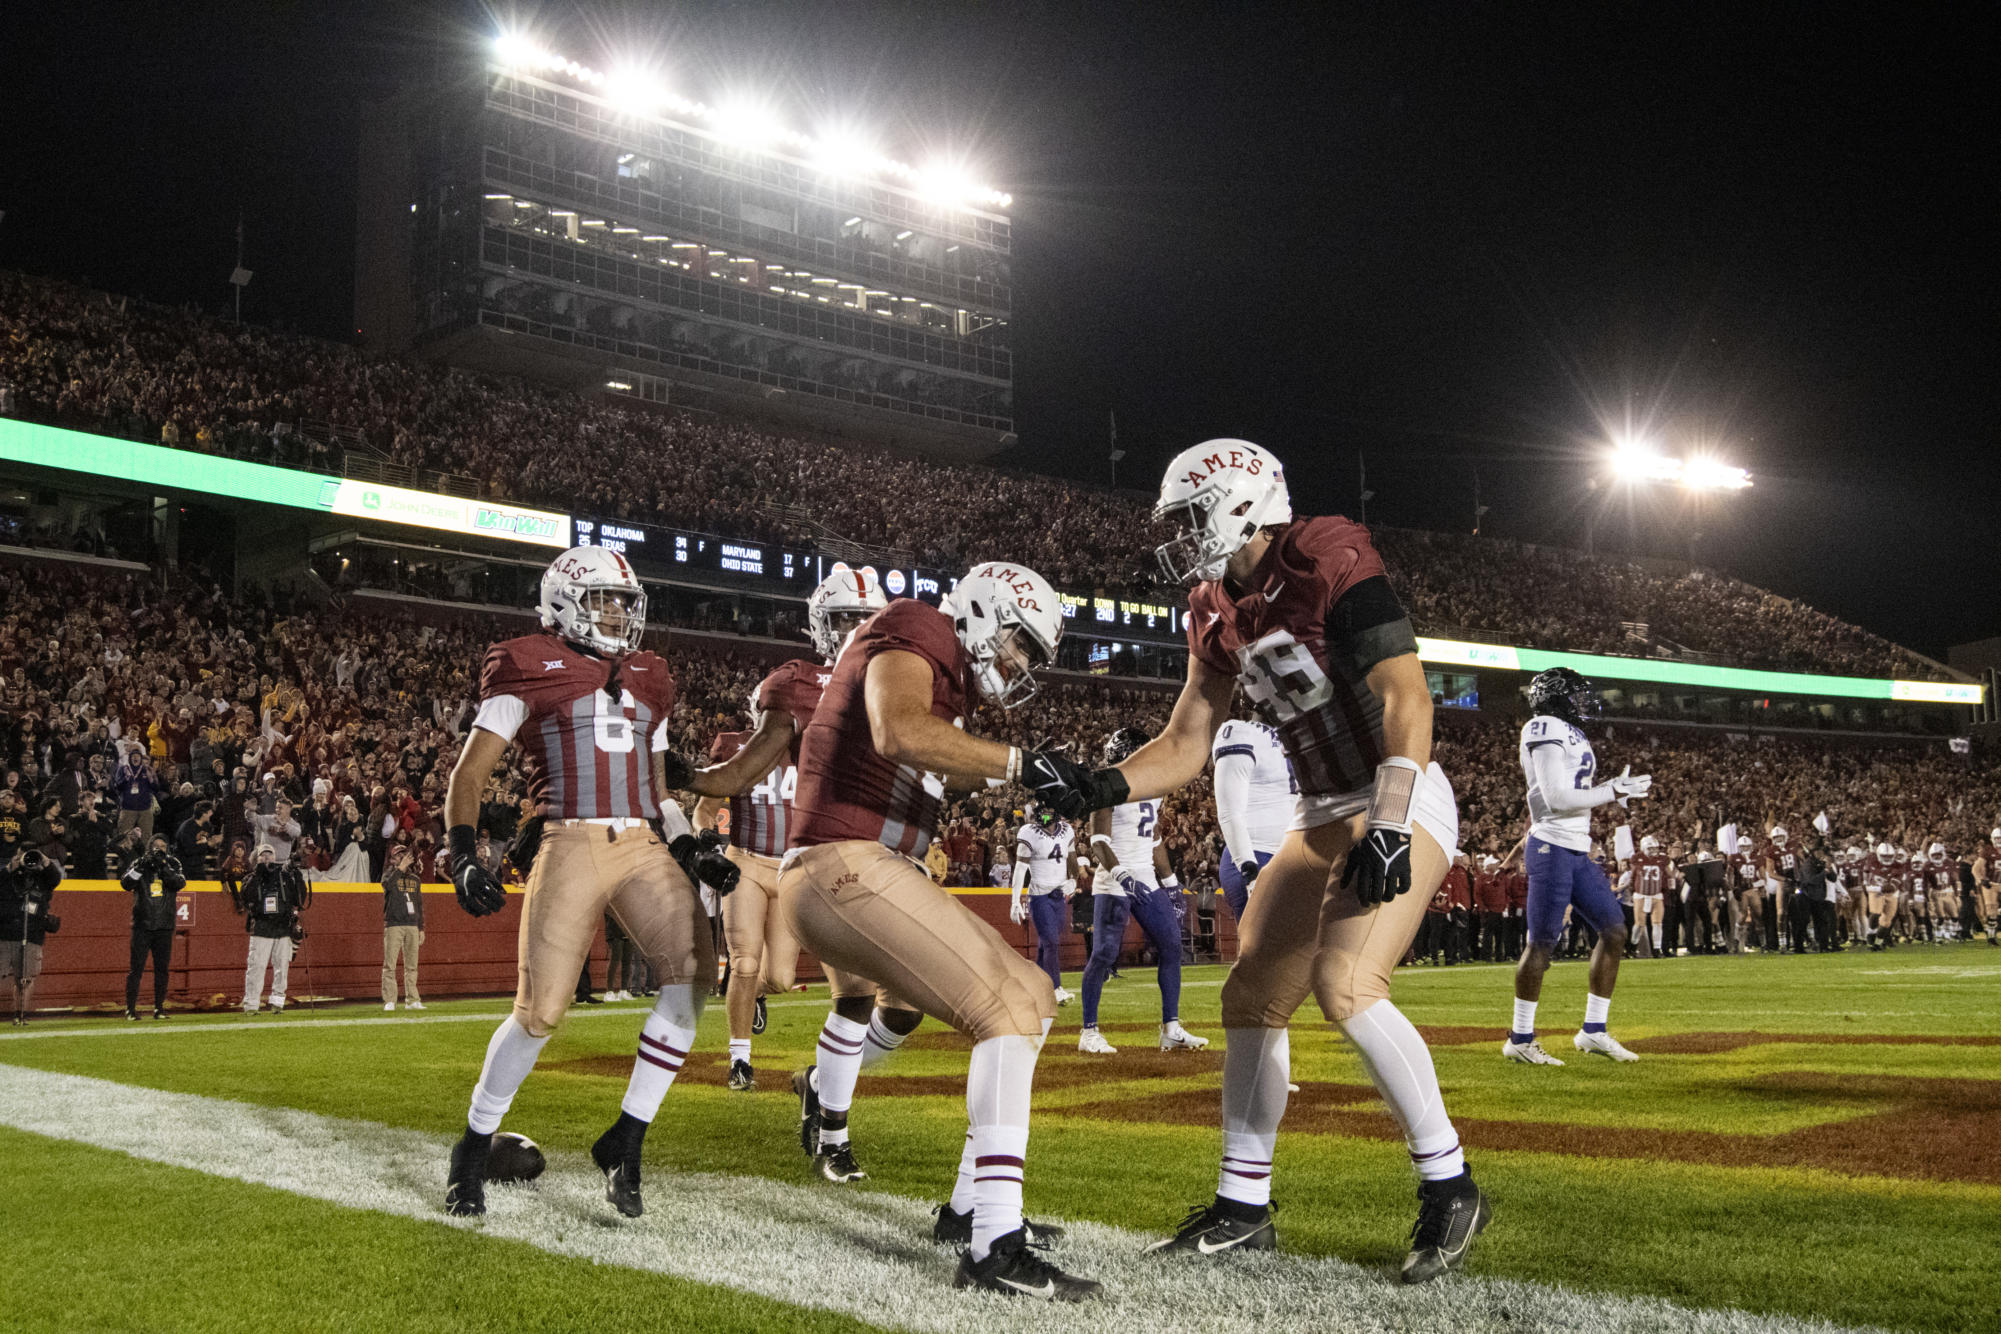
(1048, 854)
(1266, 809)
(1579, 768)
(1135, 831)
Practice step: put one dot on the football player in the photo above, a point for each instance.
(1654, 878)
(1942, 880)
(1255, 793)
(1559, 764)
(1135, 881)
(1987, 874)
(1879, 878)
(1852, 899)
(1302, 614)
(885, 743)
(590, 709)
(760, 776)
(1784, 878)
(1045, 865)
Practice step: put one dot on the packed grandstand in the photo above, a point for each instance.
(159, 693)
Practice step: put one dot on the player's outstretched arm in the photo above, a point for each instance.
(1175, 758)
(759, 755)
(479, 892)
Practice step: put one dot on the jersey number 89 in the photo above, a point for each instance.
(1281, 678)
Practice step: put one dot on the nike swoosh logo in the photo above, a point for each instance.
(1048, 1288)
(1275, 592)
(1202, 1244)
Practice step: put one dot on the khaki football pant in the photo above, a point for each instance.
(760, 940)
(581, 872)
(880, 926)
(1304, 934)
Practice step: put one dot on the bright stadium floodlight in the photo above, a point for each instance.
(517, 51)
(745, 122)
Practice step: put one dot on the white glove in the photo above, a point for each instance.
(1630, 784)
(1069, 889)
(1017, 910)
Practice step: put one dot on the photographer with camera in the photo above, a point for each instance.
(154, 880)
(27, 883)
(271, 898)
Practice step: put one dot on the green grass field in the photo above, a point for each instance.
(1852, 1175)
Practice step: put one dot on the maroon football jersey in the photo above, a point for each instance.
(847, 790)
(1652, 874)
(588, 756)
(1273, 640)
(761, 817)
(1945, 877)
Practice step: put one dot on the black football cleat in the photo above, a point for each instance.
(1449, 1215)
(465, 1183)
(617, 1155)
(1013, 1268)
(954, 1229)
(809, 1112)
(1211, 1229)
(758, 1017)
(837, 1164)
(742, 1078)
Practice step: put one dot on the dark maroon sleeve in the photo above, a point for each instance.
(725, 745)
(497, 675)
(910, 626)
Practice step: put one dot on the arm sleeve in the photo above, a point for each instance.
(503, 715)
(1234, 768)
(1555, 781)
(1021, 859)
(1367, 625)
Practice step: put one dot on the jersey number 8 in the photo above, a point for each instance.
(613, 729)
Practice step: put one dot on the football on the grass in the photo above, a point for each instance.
(514, 1158)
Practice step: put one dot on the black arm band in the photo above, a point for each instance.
(463, 840)
(1365, 626)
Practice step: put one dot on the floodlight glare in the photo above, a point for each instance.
(1711, 475)
(741, 121)
(842, 152)
(635, 92)
(516, 50)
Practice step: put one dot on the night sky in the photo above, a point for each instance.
(1451, 240)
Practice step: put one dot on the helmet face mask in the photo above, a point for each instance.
(592, 599)
(1218, 495)
(843, 600)
(1009, 620)
(1121, 744)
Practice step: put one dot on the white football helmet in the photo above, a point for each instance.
(1650, 845)
(580, 586)
(844, 599)
(1217, 495)
(1885, 853)
(1994, 837)
(1937, 851)
(1778, 834)
(997, 598)
(1903, 855)
(1854, 854)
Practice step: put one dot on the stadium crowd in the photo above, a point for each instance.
(120, 366)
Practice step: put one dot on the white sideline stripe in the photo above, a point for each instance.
(867, 1255)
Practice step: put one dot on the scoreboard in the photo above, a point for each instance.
(774, 570)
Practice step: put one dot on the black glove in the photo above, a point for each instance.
(1379, 866)
(52, 924)
(479, 891)
(527, 842)
(1068, 786)
(1248, 871)
(678, 772)
(705, 865)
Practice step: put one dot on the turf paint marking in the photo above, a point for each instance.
(863, 1254)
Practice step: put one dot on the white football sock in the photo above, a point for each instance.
(1657, 937)
(879, 1041)
(962, 1189)
(1399, 1065)
(740, 1050)
(1257, 1066)
(839, 1060)
(997, 1095)
(664, 1043)
(510, 1055)
(1524, 1016)
(1596, 1008)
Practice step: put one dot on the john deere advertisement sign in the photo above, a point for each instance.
(452, 514)
(205, 474)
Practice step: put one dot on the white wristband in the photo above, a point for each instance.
(1013, 765)
(1396, 790)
